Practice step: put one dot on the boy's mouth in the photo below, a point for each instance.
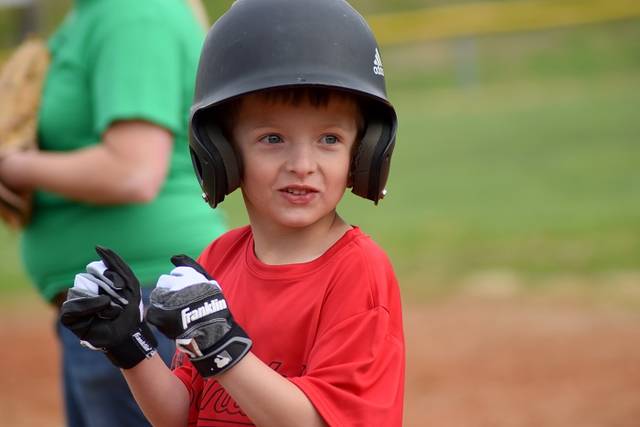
(298, 190)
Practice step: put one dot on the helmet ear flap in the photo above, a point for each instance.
(371, 162)
(214, 161)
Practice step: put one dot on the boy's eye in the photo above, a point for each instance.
(271, 139)
(330, 139)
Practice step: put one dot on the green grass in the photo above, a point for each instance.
(532, 167)
(529, 164)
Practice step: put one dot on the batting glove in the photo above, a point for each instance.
(188, 306)
(104, 310)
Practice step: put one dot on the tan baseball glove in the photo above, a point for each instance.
(21, 80)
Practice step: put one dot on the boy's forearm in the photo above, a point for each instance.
(266, 397)
(163, 398)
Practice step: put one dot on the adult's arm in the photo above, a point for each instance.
(128, 166)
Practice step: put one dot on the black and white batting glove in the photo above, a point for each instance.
(188, 306)
(104, 309)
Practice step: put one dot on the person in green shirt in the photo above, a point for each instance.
(114, 169)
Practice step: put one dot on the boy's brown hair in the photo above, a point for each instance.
(226, 114)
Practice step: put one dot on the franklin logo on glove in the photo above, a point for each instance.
(142, 342)
(208, 308)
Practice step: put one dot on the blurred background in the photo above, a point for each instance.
(513, 213)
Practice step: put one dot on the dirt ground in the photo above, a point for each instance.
(472, 361)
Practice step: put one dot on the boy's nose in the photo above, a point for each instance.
(300, 160)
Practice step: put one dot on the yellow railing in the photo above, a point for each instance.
(496, 17)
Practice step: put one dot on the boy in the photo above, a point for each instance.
(290, 105)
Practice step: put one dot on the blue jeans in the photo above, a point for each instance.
(95, 392)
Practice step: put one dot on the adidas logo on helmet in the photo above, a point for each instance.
(377, 64)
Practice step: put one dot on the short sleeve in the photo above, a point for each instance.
(355, 372)
(136, 75)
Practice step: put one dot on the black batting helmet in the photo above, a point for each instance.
(268, 44)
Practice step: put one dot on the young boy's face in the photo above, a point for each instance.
(296, 158)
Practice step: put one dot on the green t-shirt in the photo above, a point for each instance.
(113, 60)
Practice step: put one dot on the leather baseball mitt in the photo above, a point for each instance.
(21, 80)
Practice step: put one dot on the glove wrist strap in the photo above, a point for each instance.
(139, 345)
(224, 354)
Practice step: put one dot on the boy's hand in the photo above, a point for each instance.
(104, 309)
(188, 306)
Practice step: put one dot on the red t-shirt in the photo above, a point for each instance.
(332, 326)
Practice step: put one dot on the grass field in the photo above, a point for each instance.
(515, 153)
